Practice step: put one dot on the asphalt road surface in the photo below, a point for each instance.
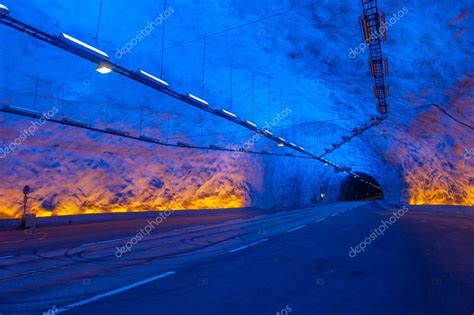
(240, 262)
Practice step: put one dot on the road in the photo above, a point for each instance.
(291, 262)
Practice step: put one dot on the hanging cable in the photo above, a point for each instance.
(452, 117)
(98, 23)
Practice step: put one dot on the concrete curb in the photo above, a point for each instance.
(6, 224)
(10, 224)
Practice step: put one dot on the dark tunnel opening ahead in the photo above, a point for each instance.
(362, 188)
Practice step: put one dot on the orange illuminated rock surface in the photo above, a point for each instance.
(432, 153)
(108, 174)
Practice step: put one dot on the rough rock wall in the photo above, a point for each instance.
(299, 57)
(72, 173)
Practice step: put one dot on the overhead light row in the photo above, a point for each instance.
(86, 51)
(104, 67)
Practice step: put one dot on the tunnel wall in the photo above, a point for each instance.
(298, 182)
(425, 147)
(73, 172)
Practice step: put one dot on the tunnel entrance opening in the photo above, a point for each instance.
(361, 188)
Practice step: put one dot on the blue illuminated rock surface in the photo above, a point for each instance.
(299, 56)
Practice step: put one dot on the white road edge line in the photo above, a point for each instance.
(113, 292)
(334, 214)
(238, 248)
(320, 220)
(107, 241)
(5, 257)
(296, 228)
(259, 242)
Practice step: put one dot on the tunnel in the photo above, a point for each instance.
(227, 157)
(364, 187)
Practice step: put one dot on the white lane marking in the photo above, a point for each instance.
(238, 248)
(259, 242)
(113, 292)
(5, 257)
(333, 215)
(296, 228)
(320, 220)
(107, 241)
(247, 246)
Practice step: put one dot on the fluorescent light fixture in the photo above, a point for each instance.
(251, 123)
(154, 79)
(229, 113)
(118, 132)
(4, 9)
(301, 148)
(21, 111)
(283, 140)
(75, 123)
(103, 69)
(197, 99)
(292, 144)
(82, 45)
(267, 132)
